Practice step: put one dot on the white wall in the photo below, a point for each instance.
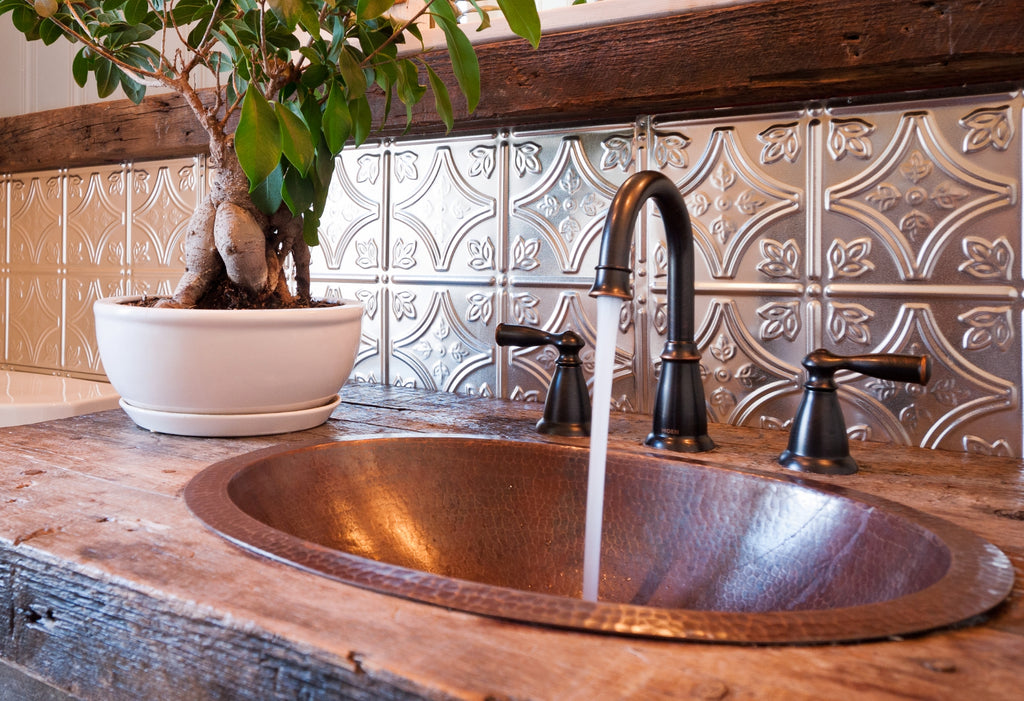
(36, 77)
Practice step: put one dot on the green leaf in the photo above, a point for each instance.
(187, 11)
(337, 121)
(238, 32)
(81, 65)
(485, 19)
(522, 19)
(463, 57)
(442, 103)
(339, 36)
(135, 11)
(388, 94)
(314, 76)
(351, 74)
(296, 139)
(288, 10)
(257, 138)
(376, 40)
(308, 18)
(230, 90)
(283, 40)
(26, 21)
(323, 168)
(50, 32)
(362, 119)
(415, 31)
(443, 10)
(141, 56)
(107, 77)
(122, 34)
(298, 192)
(408, 85)
(219, 62)
(267, 194)
(134, 91)
(310, 229)
(310, 108)
(369, 9)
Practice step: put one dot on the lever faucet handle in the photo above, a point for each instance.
(526, 336)
(821, 366)
(567, 407)
(817, 439)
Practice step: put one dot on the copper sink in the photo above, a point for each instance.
(496, 528)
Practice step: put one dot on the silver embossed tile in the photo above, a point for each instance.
(560, 186)
(921, 234)
(892, 228)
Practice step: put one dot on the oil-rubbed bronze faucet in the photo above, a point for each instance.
(680, 415)
(817, 439)
(567, 407)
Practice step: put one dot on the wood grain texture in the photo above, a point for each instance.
(111, 590)
(740, 57)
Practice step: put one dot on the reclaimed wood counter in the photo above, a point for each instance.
(113, 590)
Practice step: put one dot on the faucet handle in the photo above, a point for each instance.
(817, 439)
(567, 407)
(821, 366)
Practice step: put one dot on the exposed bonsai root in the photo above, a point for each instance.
(236, 253)
(289, 241)
(242, 246)
(202, 264)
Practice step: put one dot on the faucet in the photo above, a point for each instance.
(680, 415)
(817, 439)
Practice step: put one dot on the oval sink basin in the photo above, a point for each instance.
(496, 528)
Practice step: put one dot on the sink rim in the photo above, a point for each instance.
(979, 577)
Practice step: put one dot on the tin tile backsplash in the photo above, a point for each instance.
(894, 228)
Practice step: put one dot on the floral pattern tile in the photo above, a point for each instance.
(893, 228)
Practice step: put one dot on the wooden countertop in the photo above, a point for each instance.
(113, 590)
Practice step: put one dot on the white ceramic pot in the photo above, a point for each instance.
(216, 372)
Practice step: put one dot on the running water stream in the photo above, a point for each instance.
(604, 357)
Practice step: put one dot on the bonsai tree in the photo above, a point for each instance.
(292, 78)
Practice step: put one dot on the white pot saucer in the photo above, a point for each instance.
(229, 425)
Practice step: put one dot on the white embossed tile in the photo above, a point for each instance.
(444, 209)
(162, 196)
(35, 233)
(81, 354)
(97, 239)
(34, 323)
(348, 263)
(97, 232)
(351, 232)
(369, 367)
(439, 339)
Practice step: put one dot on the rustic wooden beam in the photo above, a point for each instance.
(748, 55)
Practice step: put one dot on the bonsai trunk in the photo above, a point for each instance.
(235, 255)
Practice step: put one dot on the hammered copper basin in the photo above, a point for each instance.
(496, 528)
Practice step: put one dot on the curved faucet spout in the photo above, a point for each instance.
(680, 415)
